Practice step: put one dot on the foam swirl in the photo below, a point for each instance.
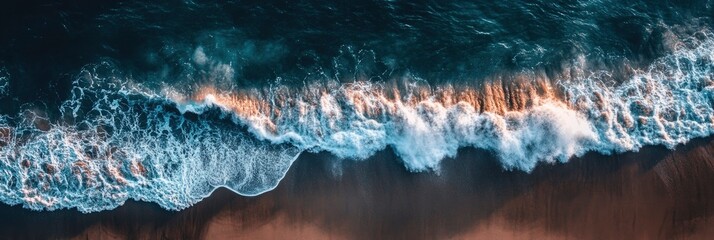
(114, 146)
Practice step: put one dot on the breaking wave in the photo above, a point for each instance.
(115, 139)
(531, 117)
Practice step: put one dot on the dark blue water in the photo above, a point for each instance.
(164, 102)
(438, 41)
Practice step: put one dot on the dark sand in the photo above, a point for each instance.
(653, 194)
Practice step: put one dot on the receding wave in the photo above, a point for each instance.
(115, 139)
(113, 145)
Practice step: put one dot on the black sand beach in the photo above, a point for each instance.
(653, 194)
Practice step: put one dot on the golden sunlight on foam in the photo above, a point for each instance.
(267, 106)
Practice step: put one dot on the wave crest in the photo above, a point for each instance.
(530, 118)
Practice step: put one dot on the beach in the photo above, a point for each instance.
(652, 194)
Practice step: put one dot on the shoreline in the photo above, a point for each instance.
(653, 193)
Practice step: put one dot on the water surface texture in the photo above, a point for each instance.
(167, 102)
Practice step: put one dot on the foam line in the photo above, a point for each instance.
(117, 140)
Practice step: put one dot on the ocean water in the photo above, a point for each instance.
(164, 103)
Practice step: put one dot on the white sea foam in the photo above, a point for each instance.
(667, 103)
(117, 140)
(4, 82)
(124, 146)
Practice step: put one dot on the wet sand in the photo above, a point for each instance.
(653, 194)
